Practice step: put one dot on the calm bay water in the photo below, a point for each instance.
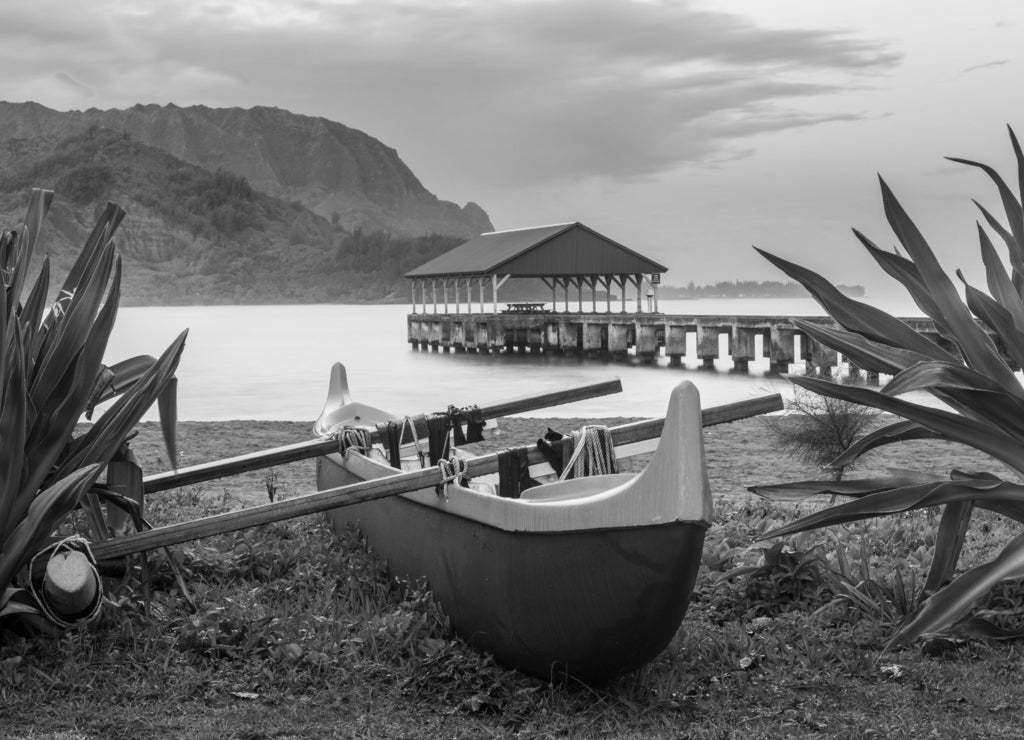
(272, 362)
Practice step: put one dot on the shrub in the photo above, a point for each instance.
(967, 366)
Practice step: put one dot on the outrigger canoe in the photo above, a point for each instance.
(586, 577)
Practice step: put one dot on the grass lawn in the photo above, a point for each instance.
(288, 631)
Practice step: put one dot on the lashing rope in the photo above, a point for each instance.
(410, 424)
(594, 454)
(354, 438)
(455, 470)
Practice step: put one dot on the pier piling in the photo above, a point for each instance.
(646, 336)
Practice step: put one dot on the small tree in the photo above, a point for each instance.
(818, 429)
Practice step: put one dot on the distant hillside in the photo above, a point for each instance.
(748, 289)
(198, 236)
(339, 173)
(230, 205)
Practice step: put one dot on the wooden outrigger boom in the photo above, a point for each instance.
(377, 488)
(317, 447)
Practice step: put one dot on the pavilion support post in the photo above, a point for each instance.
(592, 281)
(423, 294)
(608, 293)
(458, 307)
(579, 292)
(413, 284)
(565, 284)
(639, 291)
(445, 290)
(480, 282)
(469, 296)
(554, 296)
(433, 292)
(495, 284)
(622, 291)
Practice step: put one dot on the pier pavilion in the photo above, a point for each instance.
(564, 256)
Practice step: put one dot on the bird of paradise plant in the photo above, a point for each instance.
(969, 366)
(51, 373)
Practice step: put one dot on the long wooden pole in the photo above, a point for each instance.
(316, 447)
(333, 498)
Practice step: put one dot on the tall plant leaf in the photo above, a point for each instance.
(945, 608)
(898, 431)
(38, 206)
(850, 487)
(862, 318)
(1000, 320)
(101, 234)
(102, 440)
(1011, 205)
(907, 273)
(977, 347)
(949, 425)
(949, 541)
(861, 351)
(1000, 284)
(167, 405)
(47, 507)
(907, 498)
(12, 434)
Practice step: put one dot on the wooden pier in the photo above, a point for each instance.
(646, 336)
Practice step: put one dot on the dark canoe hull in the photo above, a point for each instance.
(590, 604)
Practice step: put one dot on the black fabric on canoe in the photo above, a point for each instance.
(458, 436)
(475, 424)
(391, 435)
(437, 436)
(514, 472)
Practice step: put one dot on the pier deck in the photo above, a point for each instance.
(645, 335)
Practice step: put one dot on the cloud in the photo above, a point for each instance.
(521, 91)
(987, 65)
(73, 85)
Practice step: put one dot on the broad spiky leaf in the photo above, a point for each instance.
(980, 386)
(943, 609)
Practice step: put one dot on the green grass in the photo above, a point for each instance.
(292, 632)
(296, 633)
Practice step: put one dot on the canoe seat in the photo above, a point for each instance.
(575, 488)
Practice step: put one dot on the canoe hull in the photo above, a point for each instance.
(591, 604)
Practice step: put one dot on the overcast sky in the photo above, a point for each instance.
(689, 131)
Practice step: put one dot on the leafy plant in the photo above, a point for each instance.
(785, 579)
(969, 366)
(52, 373)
